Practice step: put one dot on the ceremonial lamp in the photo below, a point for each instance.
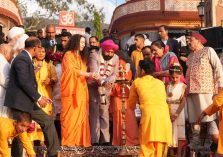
(123, 83)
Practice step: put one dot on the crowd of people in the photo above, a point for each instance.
(63, 91)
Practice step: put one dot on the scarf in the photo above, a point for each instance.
(105, 72)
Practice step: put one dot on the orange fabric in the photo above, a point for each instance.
(116, 91)
(153, 149)
(74, 102)
(132, 134)
(217, 106)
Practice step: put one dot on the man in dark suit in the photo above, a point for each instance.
(51, 43)
(173, 44)
(50, 39)
(22, 96)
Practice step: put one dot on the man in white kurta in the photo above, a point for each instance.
(204, 71)
(5, 58)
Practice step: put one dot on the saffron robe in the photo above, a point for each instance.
(8, 131)
(216, 106)
(74, 102)
(155, 125)
(132, 136)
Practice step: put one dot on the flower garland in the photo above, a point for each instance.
(105, 72)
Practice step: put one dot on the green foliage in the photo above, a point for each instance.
(22, 7)
(89, 9)
(53, 7)
(97, 25)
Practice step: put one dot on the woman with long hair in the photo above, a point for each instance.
(74, 94)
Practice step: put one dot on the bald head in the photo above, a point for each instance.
(6, 51)
(50, 31)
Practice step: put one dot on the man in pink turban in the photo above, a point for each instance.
(104, 62)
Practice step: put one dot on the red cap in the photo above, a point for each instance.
(200, 37)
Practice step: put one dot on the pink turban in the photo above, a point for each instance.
(108, 45)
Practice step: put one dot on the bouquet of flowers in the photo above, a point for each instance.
(54, 54)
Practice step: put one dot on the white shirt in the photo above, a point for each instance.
(30, 56)
(164, 41)
(131, 41)
(147, 42)
(87, 36)
(53, 42)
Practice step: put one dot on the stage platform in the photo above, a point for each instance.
(94, 151)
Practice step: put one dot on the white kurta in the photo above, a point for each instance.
(198, 101)
(4, 79)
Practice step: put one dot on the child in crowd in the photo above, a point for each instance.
(46, 77)
(9, 129)
(176, 100)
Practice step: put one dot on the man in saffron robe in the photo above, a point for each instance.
(155, 132)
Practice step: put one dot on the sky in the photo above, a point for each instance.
(108, 5)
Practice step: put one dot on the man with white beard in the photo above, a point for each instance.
(5, 59)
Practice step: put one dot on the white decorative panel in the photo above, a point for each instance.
(181, 5)
(135, 7)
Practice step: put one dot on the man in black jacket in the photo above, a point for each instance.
(173, 44)
(22, 95)
(50, 39)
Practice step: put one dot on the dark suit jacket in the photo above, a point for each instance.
(21, 93)
(173, 46)
(46, 44)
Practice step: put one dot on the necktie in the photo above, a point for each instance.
(52, 43)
